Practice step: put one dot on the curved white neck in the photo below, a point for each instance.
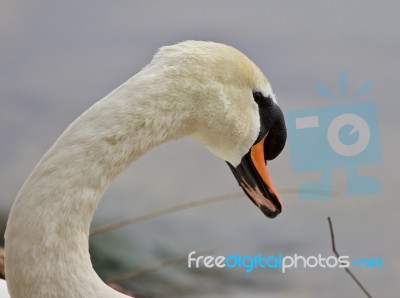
(47, 233)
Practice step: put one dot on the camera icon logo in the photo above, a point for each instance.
(358, 124)
(337, 136)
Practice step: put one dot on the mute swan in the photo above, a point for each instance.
(207, 90)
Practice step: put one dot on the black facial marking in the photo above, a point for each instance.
(272, 122)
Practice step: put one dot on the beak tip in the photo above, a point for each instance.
(271, 213)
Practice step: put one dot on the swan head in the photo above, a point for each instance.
(233, 111)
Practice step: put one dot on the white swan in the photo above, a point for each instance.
(207, 90)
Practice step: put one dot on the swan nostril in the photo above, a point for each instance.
(274, 143)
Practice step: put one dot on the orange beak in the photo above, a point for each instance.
(254, 178)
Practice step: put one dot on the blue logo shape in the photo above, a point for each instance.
(368, 263)
(337, 136)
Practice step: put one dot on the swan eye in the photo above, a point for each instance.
(257, 96)
(260, 99)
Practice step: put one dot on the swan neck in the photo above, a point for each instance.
(47, 233)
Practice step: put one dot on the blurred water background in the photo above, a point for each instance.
(58, 57)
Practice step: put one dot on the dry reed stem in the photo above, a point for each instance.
(187, 205)
(347, 269)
